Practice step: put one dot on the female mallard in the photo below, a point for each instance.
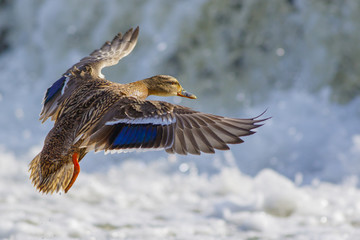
(92, 113)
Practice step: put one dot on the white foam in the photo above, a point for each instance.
(141, 200)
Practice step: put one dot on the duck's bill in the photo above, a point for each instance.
(186, 94)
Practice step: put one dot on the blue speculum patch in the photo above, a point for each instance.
(55, 88)
(135, 135)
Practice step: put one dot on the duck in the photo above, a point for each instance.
(91, 113)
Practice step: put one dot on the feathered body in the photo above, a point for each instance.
(92, 113)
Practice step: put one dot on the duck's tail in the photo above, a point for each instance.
(50, 178)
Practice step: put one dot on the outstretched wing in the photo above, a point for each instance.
(132, 124)
(109, 54)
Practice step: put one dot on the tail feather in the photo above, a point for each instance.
(50, 181)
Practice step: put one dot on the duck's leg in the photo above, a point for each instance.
(76, 172)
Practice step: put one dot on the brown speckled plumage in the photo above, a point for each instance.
(92, 113)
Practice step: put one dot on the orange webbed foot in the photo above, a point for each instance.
(76, 172)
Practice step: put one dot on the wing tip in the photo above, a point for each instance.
(135, 34)
(131, 33)
(256, 119)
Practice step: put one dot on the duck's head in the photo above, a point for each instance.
(164, 85)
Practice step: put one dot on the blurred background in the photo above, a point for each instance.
(297, 59)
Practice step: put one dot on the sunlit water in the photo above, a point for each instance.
(296, 178)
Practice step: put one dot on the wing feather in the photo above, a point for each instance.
(134, 124)
(110, 53)
(192, 145)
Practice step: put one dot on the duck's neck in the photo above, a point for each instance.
(146, 87)
(138, 89)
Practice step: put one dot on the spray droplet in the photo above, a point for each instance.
(280, 52)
